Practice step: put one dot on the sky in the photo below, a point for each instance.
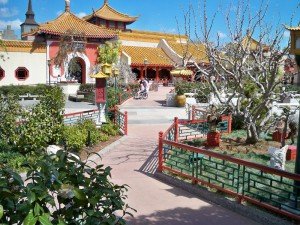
(154, 15)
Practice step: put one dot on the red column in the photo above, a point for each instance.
(193, 112)
(176, 133)
(229, 123)
(142, 71)
(107, 24)
(126, 123)
(157, 74)
(160, 151)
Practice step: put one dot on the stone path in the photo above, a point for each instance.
(134, 161)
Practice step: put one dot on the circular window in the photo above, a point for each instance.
(22, 73)
(2, 73)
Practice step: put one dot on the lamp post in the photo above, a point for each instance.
(115, 73)
(145, 65)
(49, 66)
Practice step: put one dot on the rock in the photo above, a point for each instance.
(278, 157)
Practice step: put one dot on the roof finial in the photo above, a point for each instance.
(105, 1)
(67, 8)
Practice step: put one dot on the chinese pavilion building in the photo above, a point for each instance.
(149, 54)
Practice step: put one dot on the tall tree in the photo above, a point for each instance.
(248, 70)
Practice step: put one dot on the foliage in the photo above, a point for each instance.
(87, 87)
(237, 122)
(93, 133)
(112, 97)
(134, 86)
(24, 89)
(294, 88)
(59, 190)
(33, 129)
(108, 53)
(70, 43)
(75, 138)
(110, 129)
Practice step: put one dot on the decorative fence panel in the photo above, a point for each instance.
(261, 185)
(72, 118)
(119, 118)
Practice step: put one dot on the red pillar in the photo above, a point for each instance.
(157, 74)
(142, 72)
(229, 123)
(126, 123)
(193, 112)
(160, 151)
(176, 133)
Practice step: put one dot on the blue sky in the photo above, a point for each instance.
(155, 15)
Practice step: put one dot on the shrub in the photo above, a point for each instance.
(93, 134)
(110, 129)
(81, 194)
(74, 137)
(87, 87)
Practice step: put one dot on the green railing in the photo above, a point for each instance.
(246, 181)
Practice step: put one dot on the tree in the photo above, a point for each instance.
(249, 71)
(108, 53)
(70, 43)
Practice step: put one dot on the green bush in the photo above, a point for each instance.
(93, 133)
(110, 129)
(29, 130)
(24, 89)
(75, 137)
(87, 87)
(61, 190)
(238, 122)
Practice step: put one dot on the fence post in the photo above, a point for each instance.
(120, 98)
(160, 151)
(193, 112)
(126, 123)
(229, 123)
(176, 133)
(115, 115)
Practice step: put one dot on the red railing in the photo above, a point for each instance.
(243, 177)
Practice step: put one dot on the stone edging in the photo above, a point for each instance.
(253, 213)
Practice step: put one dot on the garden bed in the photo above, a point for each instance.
(234, 145)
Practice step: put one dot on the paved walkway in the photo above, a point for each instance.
(134, 161)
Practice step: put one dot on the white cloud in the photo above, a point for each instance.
(286, 34)
(3, 1)
(222, 35)
(6, 12)
(81, 14)
(15, 24)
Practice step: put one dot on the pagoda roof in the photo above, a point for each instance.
(154, 56)
(108, 13)
(149, 36)
(193, 51)
(293, 28)
(24, 46)
(68, 22)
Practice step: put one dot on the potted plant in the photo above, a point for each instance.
(213, 119)
(180, 98)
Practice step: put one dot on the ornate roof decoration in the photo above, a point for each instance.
(190, 51)
(106, 12)
(68, 22)
(24, 46)
(154, 56)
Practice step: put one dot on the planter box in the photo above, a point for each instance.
(291, 153)
(213, 139)
(69, 88)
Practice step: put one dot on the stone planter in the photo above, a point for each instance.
(180, 100)
(213, 139)
(69, 88)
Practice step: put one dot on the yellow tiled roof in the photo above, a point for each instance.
(69, 22)
(108, 13)
(190, 51)
(148, 36)
(253, 44)
(154, 56)
(24, 46)
(293, 28)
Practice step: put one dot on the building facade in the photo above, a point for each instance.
(149, 54)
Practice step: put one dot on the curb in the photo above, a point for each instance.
(252, 213)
